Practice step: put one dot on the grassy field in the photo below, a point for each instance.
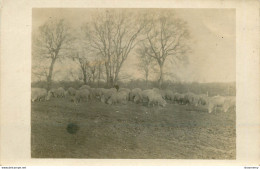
(130, 131)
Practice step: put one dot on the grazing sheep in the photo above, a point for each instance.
(191, 98)
(118, 97)
(156, 90)
(160, 92)
(98, 92)
(39, 94)
(163, 94)
(81, 95)
(188, 98)
(60, 92)
(203, 99)
(71, 91)
(106, 94)
(152, 97)
(92, 93)
(214, 102)
(229, 103)
(112, 89)
(138, 98)
(142, 96)
(124, 89)
(66, 94)
(157, 100)
(102, 92)
(133, 93)
(169, 95)
(52, 92)
(84, 87)
(178, 98)
(145, 95)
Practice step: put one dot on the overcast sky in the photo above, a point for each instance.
(213, 43)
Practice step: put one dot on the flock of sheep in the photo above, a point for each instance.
(152, 97)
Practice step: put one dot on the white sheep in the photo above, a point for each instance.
(66, 94)
(214, 102)
(152, 97)
(203, 99)
(71, 91)
(145, 95)
(230, 102)
(191, 98)
(81, 95)
(113, 89)
(39, 94)
(160, 92)
(156, 100)
(106, 94)
(60, 92)
(93, 93)
(163, 93)
(178, 98)
(118, 97)
(156, 90)
(124, 89)
(84, 87)
(135, 95)
(169, 95)
(98, 92)
(51, 92)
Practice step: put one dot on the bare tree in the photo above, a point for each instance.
(93, 72)
(95, 69)
(74, 74)
(40, 72)
(81, 58)
(100, 71)
(113, 35)
(92, 68)
(89, 67)
(166, 37)
(146, 63)
(51, 43)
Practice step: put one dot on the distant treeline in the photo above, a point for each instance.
(213, 89)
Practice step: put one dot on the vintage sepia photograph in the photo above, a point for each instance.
(133, 83)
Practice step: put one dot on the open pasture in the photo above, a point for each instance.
(130, 131)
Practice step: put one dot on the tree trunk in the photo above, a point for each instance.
(98, 78)
(84, 77)
(146, 79)
(161, 75)
(49, 78)
(93, 78)
(117, 71)
(99, 73)
(111, 82)
(107, 74)
(116, 77)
